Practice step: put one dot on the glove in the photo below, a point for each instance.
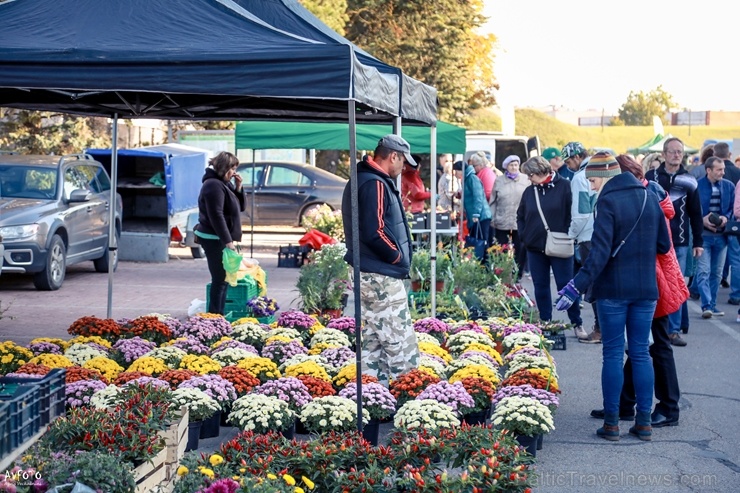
(567, 296)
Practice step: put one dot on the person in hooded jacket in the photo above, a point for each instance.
(389, 345)
(629, 231)
(220, 204)
(475, 204)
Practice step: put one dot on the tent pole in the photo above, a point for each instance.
(112, 241)
(355, 253)
(251, 214)
(433, 216)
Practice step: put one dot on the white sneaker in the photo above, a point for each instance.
(580, 332)
(706, 313)
(718, 313)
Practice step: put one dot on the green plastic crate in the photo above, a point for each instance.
(24, 412)
(237, 297)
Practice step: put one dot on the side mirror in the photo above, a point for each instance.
(80, 195)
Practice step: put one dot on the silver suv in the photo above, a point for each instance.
(54, 212)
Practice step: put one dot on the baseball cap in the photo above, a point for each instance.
(550, 152)
(398, 144)
(572, 149)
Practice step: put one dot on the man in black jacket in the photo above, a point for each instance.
(682, 188)
(389, 345)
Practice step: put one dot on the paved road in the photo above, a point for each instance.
(699, 455)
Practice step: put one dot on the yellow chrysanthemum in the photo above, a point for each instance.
(309, 368)
(109, 368)
(149, 365)
(346, 374)
(53, 340)
(202, 365)
(51, 360)
(319, 347)
(277, 338)
(182, 471)
(262, 368)
(479, 371)
(484, 348)
(86, 339)
(244, 320)
(428, 370)
(221, 341)
(434, 350)
(215, 460)
(206, 472)
(547, 375)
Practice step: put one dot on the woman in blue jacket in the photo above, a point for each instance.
(475, 204)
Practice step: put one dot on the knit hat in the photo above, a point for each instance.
(550, 152)
(572, 149)
(602, 165)
(508, 161)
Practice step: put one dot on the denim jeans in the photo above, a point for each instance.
(733, 260)
(562, 269)
(709, 269)
(674, 319)
(636, 316)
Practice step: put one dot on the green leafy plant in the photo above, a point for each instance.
(323, 218)
(324, 280)
(95, 469)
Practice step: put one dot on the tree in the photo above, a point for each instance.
(34, 132)
(437, 43)
(333, 13)
(640, 107)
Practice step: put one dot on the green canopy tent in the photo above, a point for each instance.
(655, 144)
(335, 136)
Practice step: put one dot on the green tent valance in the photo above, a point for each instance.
(335, 136)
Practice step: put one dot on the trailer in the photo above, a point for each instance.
(159, 187)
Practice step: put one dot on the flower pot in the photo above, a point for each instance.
(440, 285)
(477, 418)
(540, 439)
(193, 435)
(371, 431)
(332, 313)
(225, 416)
(211, 426)
(300, 427)
(289, 432)
(416, 286)
(529, 443)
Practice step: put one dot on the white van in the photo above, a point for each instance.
(498, 146)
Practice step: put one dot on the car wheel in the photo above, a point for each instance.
(198, 252)
(101, 264)
(52, 277)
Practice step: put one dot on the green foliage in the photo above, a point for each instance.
(323, 282)
(333, 13)
(434, 42)
(35, 132)
(640, 107)
(98, 470)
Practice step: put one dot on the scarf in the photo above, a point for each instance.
(512, 176)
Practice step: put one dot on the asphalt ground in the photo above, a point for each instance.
(699, 455)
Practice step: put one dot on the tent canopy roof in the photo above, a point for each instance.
(335, 136)
(655, 144)
(184, 59)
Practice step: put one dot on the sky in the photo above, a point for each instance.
(582, 55)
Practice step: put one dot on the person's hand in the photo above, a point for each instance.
(568, 295)
(698, 251)
(230, 245)
(475, 219)
(237, 181)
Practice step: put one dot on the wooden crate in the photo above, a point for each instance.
(176, 439)
(150, 474)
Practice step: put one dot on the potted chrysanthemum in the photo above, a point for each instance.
(378, 401)
(332, 413)
(262, 413)
(288, 389)
(427, 414)
(525, 417)
(452, 394)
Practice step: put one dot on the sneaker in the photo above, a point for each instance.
(738, 318)
(677, 340)
(706, 313)
(593, 338)
(580, 332)
(734, 301)
(724, 283)
(717, 313)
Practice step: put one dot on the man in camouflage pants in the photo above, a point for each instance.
(389, 346)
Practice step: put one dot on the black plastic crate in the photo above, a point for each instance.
(419, 221)
(292, 256)
(24, 411)
(52, 392)
(557, 338)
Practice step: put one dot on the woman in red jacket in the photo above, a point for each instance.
(672, 293)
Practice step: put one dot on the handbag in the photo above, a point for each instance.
(477, 243)
(558, 245)
(732, 228)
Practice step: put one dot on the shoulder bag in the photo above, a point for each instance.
(557, 244)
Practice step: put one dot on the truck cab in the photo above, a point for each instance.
(498, 146)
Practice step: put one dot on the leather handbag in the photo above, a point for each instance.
(477, 243)
(558, 245)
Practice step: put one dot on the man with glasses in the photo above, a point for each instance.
(389, 345)
(687, 224)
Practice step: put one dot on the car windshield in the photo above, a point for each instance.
(27, 182)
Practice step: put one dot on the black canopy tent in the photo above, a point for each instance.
(186, 59)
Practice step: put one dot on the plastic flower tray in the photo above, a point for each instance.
(237, 297)
(24, 402)
(52, 389)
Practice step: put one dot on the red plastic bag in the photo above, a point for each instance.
(316, 239)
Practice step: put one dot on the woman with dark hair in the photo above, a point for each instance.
(550, 192)
(219, 220)
(629, 231)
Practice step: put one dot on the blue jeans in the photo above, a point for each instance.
(674, 319)
(636, 316)
(709, 269)
(733, 259)
(562, 269)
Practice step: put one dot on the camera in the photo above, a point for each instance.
(715, 219)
